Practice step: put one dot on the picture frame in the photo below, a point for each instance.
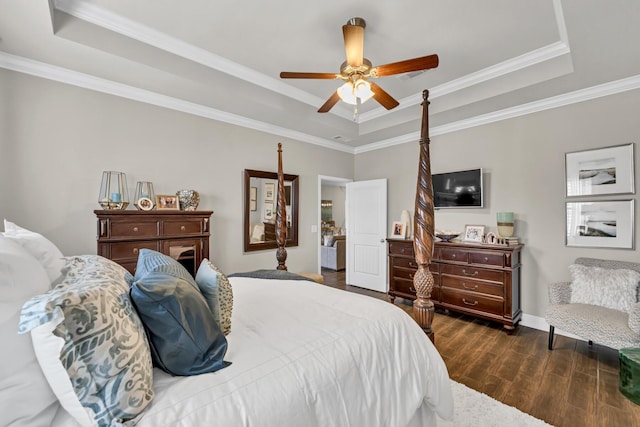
(473, 233)
(600, 171)
(167, 202)
(269, 191)
(253, 193)
(144, 204)
(398, 230)
(600, 224)
(268, 211)
(253, 205)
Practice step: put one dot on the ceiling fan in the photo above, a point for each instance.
(357, 69)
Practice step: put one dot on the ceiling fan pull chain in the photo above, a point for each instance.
(356, 113)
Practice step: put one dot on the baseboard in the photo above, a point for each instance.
(535, 322)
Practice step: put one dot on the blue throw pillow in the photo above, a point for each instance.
(209, 284)
(152, 261)
(185, 338)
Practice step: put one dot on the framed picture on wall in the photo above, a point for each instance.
(269, 191)
(606, 224)
(268, 211)
(608, 170)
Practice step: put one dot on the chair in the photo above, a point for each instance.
(596, 316)
(334, 253)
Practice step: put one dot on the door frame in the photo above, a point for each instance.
(325, 179)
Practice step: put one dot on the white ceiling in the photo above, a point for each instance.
(221, 59)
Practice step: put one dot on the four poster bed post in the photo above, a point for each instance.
(423, 225)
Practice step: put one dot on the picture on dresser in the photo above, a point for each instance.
(167, 202)
(606, 224)
(398, 230)
(601, 171)
(473, 233)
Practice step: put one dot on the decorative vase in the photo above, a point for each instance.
(505, 224)
(189, 199)
(405, 218)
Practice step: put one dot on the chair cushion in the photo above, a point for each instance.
(616, 289)
(599, 324)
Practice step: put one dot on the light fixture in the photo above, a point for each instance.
(350, 92)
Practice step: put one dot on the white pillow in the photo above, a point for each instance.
(604, 287)
(39, 247)
(25, 396)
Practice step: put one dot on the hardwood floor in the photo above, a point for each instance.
(573, 385)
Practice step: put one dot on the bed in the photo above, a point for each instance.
(301, 354)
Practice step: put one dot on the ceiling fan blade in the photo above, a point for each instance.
(354, 44)
(386, 100)
(415, 64)
(294, 75)
(333, 100)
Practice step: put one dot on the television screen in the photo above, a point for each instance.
(461, 189)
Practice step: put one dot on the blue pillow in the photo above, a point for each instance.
(152, 261)
(184, 336)
(208, 283)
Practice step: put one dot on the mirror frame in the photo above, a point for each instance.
(291, 240)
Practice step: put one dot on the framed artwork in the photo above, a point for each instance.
(269, 191)
(253, 198)
(144, 204)
(268, 211)
(602, 224)
(399, 230)
(473, 233)
(608, 170)
(253, 205)
(167, 202)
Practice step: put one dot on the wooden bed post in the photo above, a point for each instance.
(423, 224)
(281, 216)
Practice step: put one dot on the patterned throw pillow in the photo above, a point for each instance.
(150, 261)
(90, 342)
(225, 298)
(616, 289)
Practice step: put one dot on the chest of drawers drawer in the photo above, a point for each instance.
(496, 289)
(470, 272)
(181, 227)
(401, 248)
(129, 250)
(133, 230)
(471, 301)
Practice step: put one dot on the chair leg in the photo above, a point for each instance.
(551, 331)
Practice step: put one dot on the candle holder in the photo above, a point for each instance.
(113, 191)
(145, 197)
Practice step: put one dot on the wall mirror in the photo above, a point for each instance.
(260, 195)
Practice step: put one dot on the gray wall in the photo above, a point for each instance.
(523, 162)
(57, 139)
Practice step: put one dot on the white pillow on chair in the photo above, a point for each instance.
(39, 247)
(616, 289)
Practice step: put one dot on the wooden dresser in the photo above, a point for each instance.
(183, 235)
(479, 280)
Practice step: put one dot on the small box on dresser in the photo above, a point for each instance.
(183, 235)
(476, 279)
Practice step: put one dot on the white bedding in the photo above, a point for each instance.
(304, 354)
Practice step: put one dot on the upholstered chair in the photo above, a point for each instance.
(600, 304)
(334, 253)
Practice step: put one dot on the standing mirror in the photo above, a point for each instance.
(260, 195)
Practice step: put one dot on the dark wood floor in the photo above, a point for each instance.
(573, 385)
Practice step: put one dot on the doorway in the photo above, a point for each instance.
(331, 215)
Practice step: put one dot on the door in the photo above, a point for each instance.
(366, 215)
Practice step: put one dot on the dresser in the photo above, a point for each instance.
(183, 235)
(479, 280)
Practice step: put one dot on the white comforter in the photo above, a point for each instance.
(307, 355)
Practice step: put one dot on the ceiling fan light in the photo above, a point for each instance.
(362, 90)
(345, 92)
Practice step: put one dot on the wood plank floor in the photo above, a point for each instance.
(573, 385)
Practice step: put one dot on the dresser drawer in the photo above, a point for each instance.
(454, 254)
(471, 272)
(138, 229)
(481, 287)
(128, 250)
(403, 286)
(405, 263)
(181, 227)
(471, 301)
(487, 258)
(401, 248)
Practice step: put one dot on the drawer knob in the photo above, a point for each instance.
(486, 259)
(475, 273)
(471, 288)
(135, 229)
(182, 228)
(413, 264)
(469, 303)
(453, 256)
(410, 275)
(135, 251)
(412, 289)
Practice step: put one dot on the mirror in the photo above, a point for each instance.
(260, 195)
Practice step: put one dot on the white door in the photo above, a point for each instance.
(366, 217)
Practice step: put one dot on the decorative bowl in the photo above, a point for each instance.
(447, 236)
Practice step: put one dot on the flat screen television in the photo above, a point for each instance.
(462, 189)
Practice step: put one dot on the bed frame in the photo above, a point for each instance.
(423, 225)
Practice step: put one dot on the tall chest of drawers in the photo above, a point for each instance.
(183, 235)
(479, 280)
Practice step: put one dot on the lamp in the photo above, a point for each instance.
(351, 91)
(114, 193)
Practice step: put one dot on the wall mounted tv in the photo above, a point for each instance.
(462, 189)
